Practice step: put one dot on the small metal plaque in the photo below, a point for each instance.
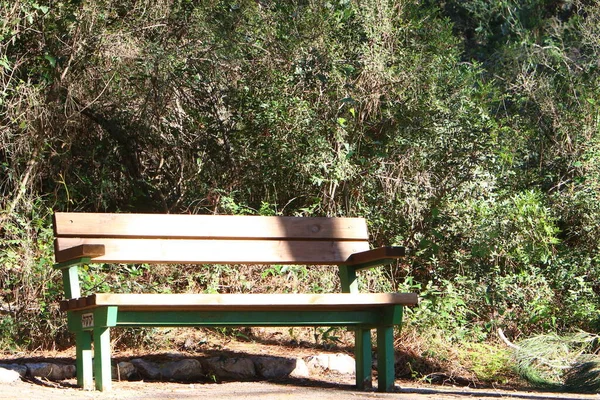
(87, 320)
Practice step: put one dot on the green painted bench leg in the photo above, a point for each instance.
(102, 372)
(385, 359)
(83, 350)
(362, 336)
(364, 360)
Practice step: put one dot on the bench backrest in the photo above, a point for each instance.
(206, 239)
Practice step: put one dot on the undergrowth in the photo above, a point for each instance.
(562, 362)
(430, 357)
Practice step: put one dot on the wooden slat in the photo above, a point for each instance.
(381, 253)
(217, 251)
(207, 226)
(241, 302)
(84, 250)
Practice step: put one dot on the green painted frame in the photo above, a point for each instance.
(93, 353)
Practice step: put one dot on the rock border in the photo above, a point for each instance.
(187, 369)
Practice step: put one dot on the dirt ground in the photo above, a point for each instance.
(326, 386)
(300, 390)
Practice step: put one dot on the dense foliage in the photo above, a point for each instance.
(467, 131)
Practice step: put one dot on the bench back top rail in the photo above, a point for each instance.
(223, 239)
(207, 226)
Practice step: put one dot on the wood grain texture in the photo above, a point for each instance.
(381, 253)
(79, 251)
(217, 251)
(241, 302)
(207, 226)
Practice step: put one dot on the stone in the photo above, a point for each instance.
(189, 343)
(340, 363)
(9, 375)
(301, 370)
(318, 361)
(179, 370)
(124, 371)
(274, 367)
(280, 367)
(20, 369)
(187, 369)
(230, 368)
(147, 369)
(50, 371)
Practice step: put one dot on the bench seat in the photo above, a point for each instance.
(240, 302)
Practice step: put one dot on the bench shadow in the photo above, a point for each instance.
(467, 393)
(483, 394)
(37, 359)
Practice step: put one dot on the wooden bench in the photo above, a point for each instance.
(83, 238)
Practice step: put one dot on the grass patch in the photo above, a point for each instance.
(489, 363)
(431, 358)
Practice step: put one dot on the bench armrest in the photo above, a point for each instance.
(375, 257)
(68, 261)
(81, 251)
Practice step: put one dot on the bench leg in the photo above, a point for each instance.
(385, 359)
(83, 350)
(364, 359)
(102, 372)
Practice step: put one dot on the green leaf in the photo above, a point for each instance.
(51, 60)
(5, 63)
